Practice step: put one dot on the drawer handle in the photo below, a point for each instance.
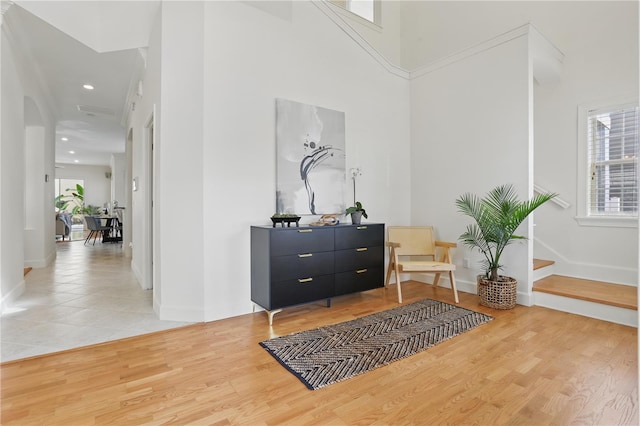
(361, 227)
(362, 249)
(305, 280)
(305, 255)
(305, 230)
(361, 271)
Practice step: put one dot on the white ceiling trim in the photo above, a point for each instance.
(98, 24)
(547, 58)
(361, 41)
(521, 31)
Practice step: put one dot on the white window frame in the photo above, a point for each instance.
(340, 7)
(584, 173)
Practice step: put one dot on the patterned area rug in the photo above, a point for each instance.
(338, 352)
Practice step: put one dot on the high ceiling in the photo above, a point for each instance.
(91, 120)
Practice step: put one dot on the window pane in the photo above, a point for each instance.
(67, 187)
(613, 152)
(362, 8)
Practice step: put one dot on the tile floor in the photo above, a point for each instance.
(87, 295)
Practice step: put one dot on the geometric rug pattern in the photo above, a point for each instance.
(334, 353)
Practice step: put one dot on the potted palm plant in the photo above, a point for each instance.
(497, 217)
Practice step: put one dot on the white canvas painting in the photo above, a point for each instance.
(310, 159)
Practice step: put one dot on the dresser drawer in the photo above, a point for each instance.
(302, 265)
(303, 240)
(358, 258)
(359, 280)
(359, 236)
(294, 292)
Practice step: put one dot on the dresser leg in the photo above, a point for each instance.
(270, 315)
(328, 303)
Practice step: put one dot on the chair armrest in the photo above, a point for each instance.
(392, 244)
(446, 256)
(446, 244)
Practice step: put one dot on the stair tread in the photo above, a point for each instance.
(541, 263)
(622, 296)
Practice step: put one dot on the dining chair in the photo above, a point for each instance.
(95, 228)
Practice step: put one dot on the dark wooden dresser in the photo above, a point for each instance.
(290, 266)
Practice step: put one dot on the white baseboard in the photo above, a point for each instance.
(9, 299)
(41, 263)
(179, 313)
(587, 309)
(462, 285)
(137, 274)
(587, 271)
(525, 299)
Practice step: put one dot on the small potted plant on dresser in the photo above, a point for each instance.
(356, 213)
(497, 217)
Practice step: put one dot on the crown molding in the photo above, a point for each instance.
(361, 41)
(546, 56)
(483, 46)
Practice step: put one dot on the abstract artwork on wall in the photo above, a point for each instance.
(310, 159)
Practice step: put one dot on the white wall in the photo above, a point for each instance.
(118, 179)
(600, 45)
(19, 83)
(11, 177)
(97, 187)
(385, 38)
(601, 62)
(470, 131)
(217, 149)
(179, 215)
(140, 209)
(34, 250)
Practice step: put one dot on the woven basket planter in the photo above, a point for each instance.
(499, 294)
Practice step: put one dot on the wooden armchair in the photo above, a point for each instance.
(408, 242)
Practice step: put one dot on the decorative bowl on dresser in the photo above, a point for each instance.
(291, 266)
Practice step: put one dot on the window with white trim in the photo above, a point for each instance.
(367, 9)
(612, 161)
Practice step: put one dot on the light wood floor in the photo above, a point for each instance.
(541, 263)
(622, 296)
(531, 366)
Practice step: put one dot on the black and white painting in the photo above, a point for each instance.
(310, 159)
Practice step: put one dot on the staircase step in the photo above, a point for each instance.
(540, 263)
(622, 296)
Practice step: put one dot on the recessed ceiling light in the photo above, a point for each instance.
(87, 86)
(76, 161)
(64, 139)
(72, 152)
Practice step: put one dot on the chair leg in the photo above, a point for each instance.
(436, 279)
(398, 283)
(88, 237)
(453, 286)
(389, 269)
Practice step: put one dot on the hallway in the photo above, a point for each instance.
(87, 295)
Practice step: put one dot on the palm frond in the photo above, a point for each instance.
(497, 216)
